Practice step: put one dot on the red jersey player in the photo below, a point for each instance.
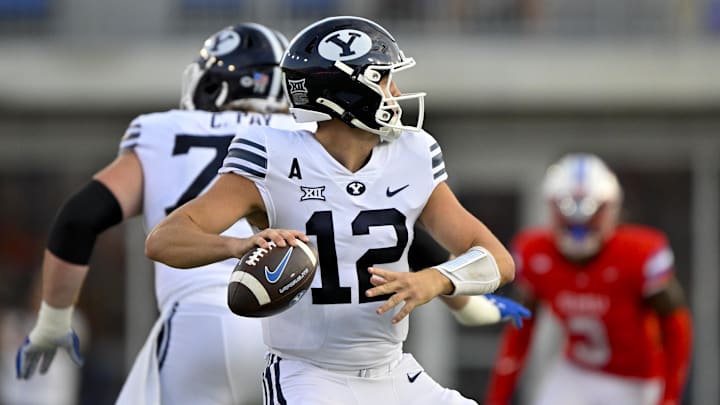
(627, 327)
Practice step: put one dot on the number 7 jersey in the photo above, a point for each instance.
(356, 220)
(180, 152)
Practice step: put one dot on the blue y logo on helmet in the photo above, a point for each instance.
(344, 45)
(222, 43)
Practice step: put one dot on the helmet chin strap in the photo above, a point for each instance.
(191, 77)
(391, 126)
(220, 99)
(386, 134)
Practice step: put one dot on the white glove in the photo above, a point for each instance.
(51, 331)
(487, 309)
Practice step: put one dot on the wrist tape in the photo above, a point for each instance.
(478, 311)
(474, 272)
(51, 323)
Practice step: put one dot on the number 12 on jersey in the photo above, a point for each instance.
(320, 224)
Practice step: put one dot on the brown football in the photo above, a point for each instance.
(266, 282)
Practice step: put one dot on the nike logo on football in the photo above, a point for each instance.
(412, 378)
(391, 193)
(274, 276)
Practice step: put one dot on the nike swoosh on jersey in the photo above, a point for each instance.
(412, 378)
(274, 275)
(391, 193)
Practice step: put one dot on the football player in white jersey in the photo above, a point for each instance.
(355, 188)
(192, 355)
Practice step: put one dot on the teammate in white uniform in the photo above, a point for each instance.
(355, 188)
(192, 355)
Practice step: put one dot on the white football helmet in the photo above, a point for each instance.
(584, 196)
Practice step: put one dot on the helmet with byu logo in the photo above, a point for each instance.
(238, 68)
(584, 197)
(342, 67)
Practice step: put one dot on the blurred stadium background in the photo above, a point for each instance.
(512, 84)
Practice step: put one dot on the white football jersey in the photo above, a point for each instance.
(356, 220)
(181, 152)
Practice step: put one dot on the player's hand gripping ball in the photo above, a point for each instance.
(266, 282)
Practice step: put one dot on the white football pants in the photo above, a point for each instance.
(205, 354)
(403, 382)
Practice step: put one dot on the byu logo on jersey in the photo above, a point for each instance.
(221, 43)
(345, 45)
(355, 188)
(312, 193)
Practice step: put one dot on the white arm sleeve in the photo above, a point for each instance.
(478, 311)
(474, 272)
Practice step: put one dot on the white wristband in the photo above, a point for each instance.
(51, 323)
(478, 311)
(474, 272)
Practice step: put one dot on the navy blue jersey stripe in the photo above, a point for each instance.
(131, 145)
(266, 400)
(164, 338)
(267, 384)
(434, 146)
(137, 125)
(246, 169)
(130, 136)
(439, 173)
(250, 143)
(437, 160)
(249, 156)
(278, 387)
(160, 340)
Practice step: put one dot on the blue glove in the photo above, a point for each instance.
(30, 354)
(509, 309)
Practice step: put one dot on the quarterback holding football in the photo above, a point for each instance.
(355, 189)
